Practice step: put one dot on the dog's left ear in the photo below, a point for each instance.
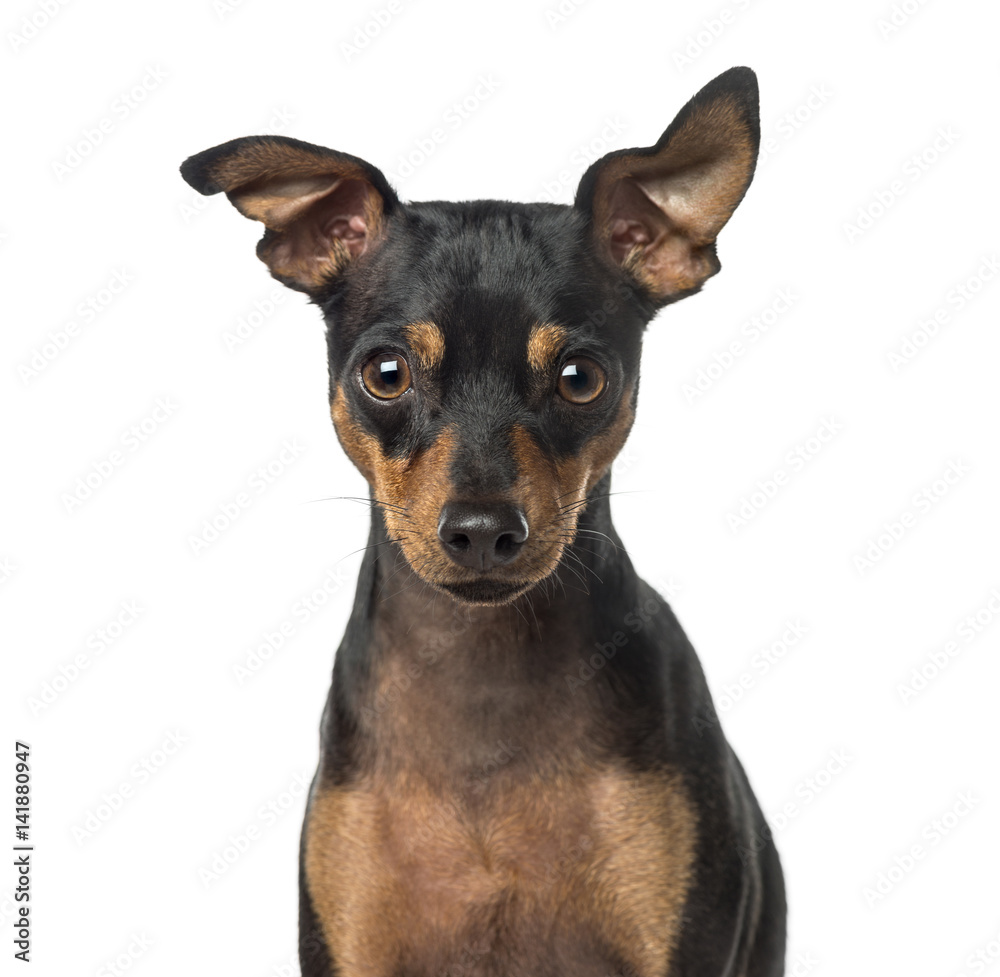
(656, 212)
(322, 209)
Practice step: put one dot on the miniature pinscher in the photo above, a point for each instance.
(516, 777)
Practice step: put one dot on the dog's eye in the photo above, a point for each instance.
(386, 376)
(581, 380)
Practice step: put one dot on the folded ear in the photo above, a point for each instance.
(656, 211)
(321, 208)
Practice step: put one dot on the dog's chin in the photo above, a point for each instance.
(491, 588)
(485, 592)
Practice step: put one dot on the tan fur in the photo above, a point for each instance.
(400, 871)
(299, 245)
(697, 180)
(547, 487)
(413, 492)
(288, 259)
(267, 160)
(544, 345)
(285, 187)
(427, 342)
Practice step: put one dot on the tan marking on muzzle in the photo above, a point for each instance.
(412, 491)
(552, 492)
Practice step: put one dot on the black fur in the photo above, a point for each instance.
(485, 272)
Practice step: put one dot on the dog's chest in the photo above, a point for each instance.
(585, 873)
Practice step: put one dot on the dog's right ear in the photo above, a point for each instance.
(322, 209)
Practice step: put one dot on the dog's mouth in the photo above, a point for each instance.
(486, 591)
(482, 560)
(494, 586)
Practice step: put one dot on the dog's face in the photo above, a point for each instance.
(484, 357)
(478, 384)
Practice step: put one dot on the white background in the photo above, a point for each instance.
(890, 126)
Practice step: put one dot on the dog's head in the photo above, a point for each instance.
(484, 356)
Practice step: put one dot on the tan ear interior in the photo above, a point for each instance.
(316, 225)
(320, 213)
(277, 201)
(659, 215)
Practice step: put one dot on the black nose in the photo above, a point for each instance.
(482, 536)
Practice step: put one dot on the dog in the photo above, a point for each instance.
(521, 771)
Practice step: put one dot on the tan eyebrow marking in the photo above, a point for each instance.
(544, 345)
(427, 342)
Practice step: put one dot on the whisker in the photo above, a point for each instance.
(598, 535)
(371, 503)
(579, 576)
(569, 506)
(368, 546)
(584, 567)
